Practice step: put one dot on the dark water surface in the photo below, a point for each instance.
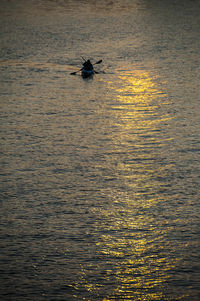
(100, 178)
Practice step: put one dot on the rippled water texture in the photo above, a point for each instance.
(100, 177)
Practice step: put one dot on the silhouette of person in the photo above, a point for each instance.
(88, 65)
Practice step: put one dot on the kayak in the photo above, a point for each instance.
(87, 70)
(87, 73)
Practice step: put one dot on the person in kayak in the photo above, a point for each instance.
(88, 66)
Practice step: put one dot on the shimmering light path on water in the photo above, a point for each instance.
(99, 177)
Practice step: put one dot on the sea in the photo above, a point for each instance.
(100, 176)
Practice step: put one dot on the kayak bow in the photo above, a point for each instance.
(87, 73)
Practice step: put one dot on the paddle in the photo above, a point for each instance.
(73, 73)
(99, 62)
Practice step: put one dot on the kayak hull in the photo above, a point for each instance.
(86, 73)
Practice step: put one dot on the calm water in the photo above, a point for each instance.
(100, 178)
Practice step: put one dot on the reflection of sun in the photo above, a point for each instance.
(138, 99)
(141, 266)
(139, 85)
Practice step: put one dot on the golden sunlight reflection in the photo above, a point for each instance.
(138, 98)
(141, 264)
(141, 118)
(132, 236)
